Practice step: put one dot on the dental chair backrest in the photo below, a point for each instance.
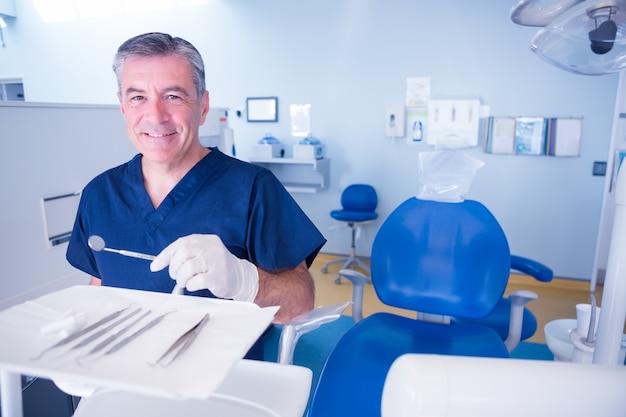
(441, 258)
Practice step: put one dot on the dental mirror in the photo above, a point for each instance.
(96, 243)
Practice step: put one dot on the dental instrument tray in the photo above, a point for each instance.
(155, 320)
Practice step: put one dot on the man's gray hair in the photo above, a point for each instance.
(160, 44)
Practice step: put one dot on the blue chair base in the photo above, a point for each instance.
(349, 262)
(351, 383)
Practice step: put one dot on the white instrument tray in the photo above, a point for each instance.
(232, 329)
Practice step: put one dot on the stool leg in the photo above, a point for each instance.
(351, 261)
(352, 258)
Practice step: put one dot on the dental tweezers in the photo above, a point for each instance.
(182, 343)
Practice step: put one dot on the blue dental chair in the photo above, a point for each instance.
(441, 260)
(503, 318)
(510, 318)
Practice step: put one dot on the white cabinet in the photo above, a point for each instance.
(298, 175)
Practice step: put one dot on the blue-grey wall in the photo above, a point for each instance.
(349, 59)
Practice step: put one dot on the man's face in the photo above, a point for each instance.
(159, 102)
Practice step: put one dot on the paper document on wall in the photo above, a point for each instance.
(59, 214)
(417, 91)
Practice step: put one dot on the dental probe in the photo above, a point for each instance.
(104, 330)
(136, 334)
(110, 339)
(117, 334)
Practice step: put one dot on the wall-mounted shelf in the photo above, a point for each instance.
(298, 175)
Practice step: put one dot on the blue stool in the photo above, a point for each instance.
(359, 203)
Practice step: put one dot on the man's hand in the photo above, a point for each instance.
(203, 262)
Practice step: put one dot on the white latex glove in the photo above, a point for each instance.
(198, 261)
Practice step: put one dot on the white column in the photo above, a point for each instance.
(613, 307)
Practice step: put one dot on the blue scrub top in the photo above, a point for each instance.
(244, 204)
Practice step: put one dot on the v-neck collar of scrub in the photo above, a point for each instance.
(181, 191)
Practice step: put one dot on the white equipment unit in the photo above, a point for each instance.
(309, 151)
(455, 386)
(268, 147)
(267, 150)
(215, 131)
(309, 148)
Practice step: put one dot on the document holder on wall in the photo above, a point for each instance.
(529, 135)
(59, 214)
(554, 136)
(563, 136)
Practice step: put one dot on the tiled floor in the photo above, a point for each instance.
(557, 299)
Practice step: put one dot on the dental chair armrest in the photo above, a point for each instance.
(535, 269)
(518, 300)
(358, 281)
(303, 324)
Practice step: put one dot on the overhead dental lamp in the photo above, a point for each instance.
(539, 12)
(602, 38)
(585, 37)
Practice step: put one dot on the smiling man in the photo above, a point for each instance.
(221, 227)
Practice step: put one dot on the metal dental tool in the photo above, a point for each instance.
(81, 332)
(183, 342)
(111, 338)
(104, 330)
(117, 334)
(591, 336)
(96, 243)
(136, 334)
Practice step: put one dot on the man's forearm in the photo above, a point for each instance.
(292, 290)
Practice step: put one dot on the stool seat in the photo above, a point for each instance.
(353, 216)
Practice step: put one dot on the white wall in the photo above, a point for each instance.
(43, 149)
(350, 59)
